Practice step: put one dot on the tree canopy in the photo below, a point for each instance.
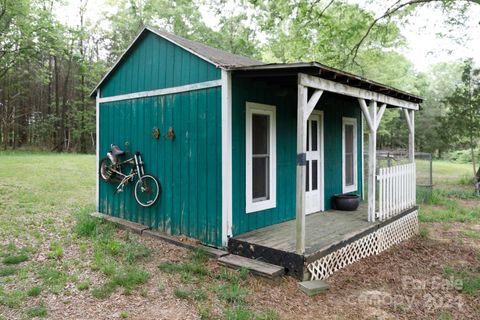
(48, 67)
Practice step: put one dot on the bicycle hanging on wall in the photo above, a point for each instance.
(147, 187)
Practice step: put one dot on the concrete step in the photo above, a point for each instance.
(260, 268)
(314, 287)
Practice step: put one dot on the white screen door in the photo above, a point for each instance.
(314, 178)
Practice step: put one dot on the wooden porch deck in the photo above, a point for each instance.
(325, 232)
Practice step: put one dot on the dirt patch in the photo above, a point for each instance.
(468, 203)
(404, 282)
(466, 234)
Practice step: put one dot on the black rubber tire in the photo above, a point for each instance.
(138, 187)
(105, 174)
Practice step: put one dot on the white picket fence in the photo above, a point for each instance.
(396, 190)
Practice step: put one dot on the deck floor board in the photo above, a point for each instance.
(322, 229)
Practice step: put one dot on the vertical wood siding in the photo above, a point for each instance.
(155, 63)
(334, 106)
(188, 168)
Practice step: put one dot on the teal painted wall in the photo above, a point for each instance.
(285, 99)
(155, 63)
(188, 167)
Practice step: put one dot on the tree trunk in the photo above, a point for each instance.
(472, 150)
(58, 136)
(63, 134)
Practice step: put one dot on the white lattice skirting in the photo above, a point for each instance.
(373, 243)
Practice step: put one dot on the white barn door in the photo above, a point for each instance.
(314, 177)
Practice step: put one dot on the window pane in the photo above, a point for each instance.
(260, 178)
(307, 180)
(349, 138)
(308, 135)
(314, 136)
(314, 174)
(260, 134)
(349, 169)
(349, 154)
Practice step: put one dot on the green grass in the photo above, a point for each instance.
(191, 271)
(56, 250)
(39, 311)
(126, 277)
(196, 294)
(123, 314)
(84, 285)
(474, 234)
(238, 313)
(52, 277)
(51, 207)
(469, 280)
(34, 291)
(232, 293)
(241, 312)
(424, 232)
(117, 258)
(182, 294)
(86, 225)
(12, 298)
(7, 271)
(15, 259)
(449, 214)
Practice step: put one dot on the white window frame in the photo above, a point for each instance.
(354, 187)
(264, 109)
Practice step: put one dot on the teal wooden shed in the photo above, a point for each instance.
(259, 152)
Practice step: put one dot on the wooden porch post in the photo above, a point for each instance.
(301, 168)
(373, 120)
(305, 108)
(372, 161)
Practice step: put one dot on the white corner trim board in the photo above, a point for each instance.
(226, 156)
(161, 92)
(97, 151)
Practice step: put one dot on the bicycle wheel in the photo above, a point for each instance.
(105, 170)
(147, 191)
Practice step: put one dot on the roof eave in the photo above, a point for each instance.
(323, 68)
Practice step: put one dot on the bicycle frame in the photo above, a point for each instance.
(136, 170)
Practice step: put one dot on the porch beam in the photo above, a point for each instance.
(331, 86)
(302, 107)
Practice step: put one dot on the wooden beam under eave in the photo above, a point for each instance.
(331, 86)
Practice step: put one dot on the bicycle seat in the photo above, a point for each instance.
(116, 151)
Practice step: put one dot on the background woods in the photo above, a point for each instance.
(49, 63)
